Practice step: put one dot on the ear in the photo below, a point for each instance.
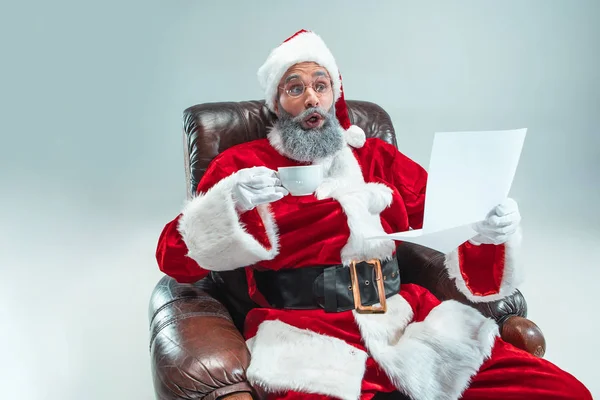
(276, 105)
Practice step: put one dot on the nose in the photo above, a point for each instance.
(311, 99)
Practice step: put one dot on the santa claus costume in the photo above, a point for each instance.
(420, 346)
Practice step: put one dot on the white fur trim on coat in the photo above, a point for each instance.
(512, 275)
(214, 235)
(285, 358)
(305, 47)
(362, 203)
(379, 330)
(433, 359)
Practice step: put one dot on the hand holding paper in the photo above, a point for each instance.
(470, 173)
(500, 223)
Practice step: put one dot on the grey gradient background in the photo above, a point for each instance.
(91, 155)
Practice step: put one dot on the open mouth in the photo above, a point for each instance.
(314, 120)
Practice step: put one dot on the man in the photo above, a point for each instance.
(306, 346)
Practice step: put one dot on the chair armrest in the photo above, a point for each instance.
(525, 335)
(425, 267)
(196, 350)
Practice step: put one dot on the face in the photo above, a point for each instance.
(304, 86)
(307, 124)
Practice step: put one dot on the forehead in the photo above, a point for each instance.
(305, 69)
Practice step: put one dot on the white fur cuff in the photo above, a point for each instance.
(285, 358)
(512, 274)
(214, 236)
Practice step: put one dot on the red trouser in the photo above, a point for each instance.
(510, 373)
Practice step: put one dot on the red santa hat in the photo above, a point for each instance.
(306, 46)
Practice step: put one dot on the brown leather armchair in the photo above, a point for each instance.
(196, 348)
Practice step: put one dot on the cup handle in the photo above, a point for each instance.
(279, 178)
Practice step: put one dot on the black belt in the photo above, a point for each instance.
(334, 288)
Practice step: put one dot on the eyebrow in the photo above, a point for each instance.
(296, 76)
(293, 76)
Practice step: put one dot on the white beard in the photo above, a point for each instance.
(308, 145)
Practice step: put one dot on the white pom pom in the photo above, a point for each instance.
(355, 136)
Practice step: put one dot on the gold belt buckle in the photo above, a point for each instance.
(382, 308)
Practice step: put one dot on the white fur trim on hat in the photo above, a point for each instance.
(355, 136)
(304, 47)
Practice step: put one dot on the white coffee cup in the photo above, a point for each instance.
(301, 180)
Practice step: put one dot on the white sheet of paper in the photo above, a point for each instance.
(469, 174)
(444, 241)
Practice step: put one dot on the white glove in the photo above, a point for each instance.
(256, 185)
(499, 224)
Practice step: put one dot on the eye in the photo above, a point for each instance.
(295, 90)
(294, 87)
(322, 86)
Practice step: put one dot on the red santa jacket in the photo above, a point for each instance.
(367, 191)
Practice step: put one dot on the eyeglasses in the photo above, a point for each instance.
(296, 87)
